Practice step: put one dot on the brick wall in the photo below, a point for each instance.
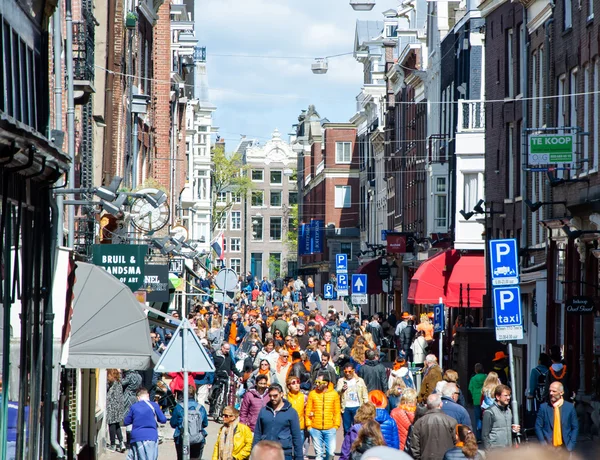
(161, 106)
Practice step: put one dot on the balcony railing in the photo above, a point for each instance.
(471, 115)
(83, 50)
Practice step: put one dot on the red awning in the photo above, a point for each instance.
(428, 283)
(470, 272)
(371, 269)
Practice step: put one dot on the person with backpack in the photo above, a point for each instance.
(197, 421)
(537, 382)
(234, 441)
(144, 416)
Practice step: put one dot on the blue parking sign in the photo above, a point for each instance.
(342, 284)
(328, 291)
(504, 262)
(438, 317)
(341, 263)
(507, 306)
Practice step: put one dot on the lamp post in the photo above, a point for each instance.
(393, 275)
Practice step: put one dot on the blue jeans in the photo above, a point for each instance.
(324, 442)
(477, 415)
(348, 418)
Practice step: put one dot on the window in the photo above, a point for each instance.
(561, 118)
(236, 265)
(235, 245)
(275, 229)
(346, 248)
(293, 198)
(440, 203)
(509, 65)
(586, 117)
(222, 222)
(471, 188)
(342, 196)
(236, 197)
(258, 175)
(274, 264)
(590, 10)
(258, 198)
(541, 104)
(276, 177)
(568, 17)
(276, 198)
(257, 228)
(236, 220)
(534, 90)
(391, 31)
(224, 244)
(593, 165)
(510, 162)
(221, 197)
(343, 152)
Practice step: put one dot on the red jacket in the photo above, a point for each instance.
(404, 419)
(177, 382)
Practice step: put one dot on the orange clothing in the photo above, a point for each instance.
(323, 410)
(232, 333)
(428, 329)
(297, 401)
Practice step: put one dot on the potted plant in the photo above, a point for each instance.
(131, 20)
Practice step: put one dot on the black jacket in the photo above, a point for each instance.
(330, 371)
(224, 365)
(406, 337)
(374, 375)
(456, 453)
(298, 370)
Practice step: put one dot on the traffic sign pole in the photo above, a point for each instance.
(513, 402)
(186, 437)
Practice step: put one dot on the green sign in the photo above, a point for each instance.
(124, 261)
(551, 148)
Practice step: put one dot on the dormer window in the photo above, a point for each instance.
(391, 31)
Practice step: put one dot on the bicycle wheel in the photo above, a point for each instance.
(220, 405)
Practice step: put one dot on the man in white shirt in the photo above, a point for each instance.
(353, 394)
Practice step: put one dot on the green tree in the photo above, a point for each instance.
(229, 179)
(274, 266)
(291, 235)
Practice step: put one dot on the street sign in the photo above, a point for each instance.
(507, 313)
(504, 262)
(176, 265)
(551, 149)
(342, 284)
(328, 291)
(438, 317)
(226, 279)
(359, 299)
(359, 284)
(341, 263)
(383, 271)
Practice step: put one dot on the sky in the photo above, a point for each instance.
(255, 95)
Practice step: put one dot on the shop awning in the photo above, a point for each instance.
(109, 329)
(371, 269)
(428, 283)
(469, 272)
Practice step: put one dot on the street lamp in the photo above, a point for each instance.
(362, 5)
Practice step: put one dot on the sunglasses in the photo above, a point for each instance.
(228, 415)
(320, 382)
(285, 356)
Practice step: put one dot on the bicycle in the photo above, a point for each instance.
(219, 398)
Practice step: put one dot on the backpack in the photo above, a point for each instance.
(194, 421)
(540, 394)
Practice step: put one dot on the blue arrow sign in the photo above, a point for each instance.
(507, 306)
(329, 291)
(341, 263)
(359, 284)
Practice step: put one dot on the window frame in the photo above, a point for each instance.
(235, 242)
(258, 225)
(262, 175)
(237, 219)
(340, 159)
(272, 220)
(280, 177)
(262, 200)
(348, 194)
(238, 264)
(273, 193)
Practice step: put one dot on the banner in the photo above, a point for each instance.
(317, 234)
(124, 261)
(305, 240)
(156, 283)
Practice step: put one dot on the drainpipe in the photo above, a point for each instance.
(70, 119)
(547, 41)
(57, 42)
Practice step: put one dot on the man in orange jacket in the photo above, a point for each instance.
(323, 417)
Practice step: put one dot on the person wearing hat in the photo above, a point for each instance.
(401, 325)
(323, 417)
(500, 366)
(389, 429)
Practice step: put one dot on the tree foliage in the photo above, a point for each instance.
(229, 176)
(291, 236)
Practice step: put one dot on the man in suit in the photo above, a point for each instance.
(561, 435)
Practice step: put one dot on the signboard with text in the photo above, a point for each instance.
(156, 283)
(551, 149)
(124, 261)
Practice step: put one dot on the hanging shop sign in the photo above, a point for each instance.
(124, 261)
(156, 283)
(580, 305)
(551, 149)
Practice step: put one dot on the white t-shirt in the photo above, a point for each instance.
(351, 393)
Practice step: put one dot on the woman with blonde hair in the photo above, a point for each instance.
(364, 414)
(369, 341)
(487, 391)
(451, 376)
(357, 353)
(369, 436)
(465, 447)
(404, 414)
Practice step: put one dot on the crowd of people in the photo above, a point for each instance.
(289, 376)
